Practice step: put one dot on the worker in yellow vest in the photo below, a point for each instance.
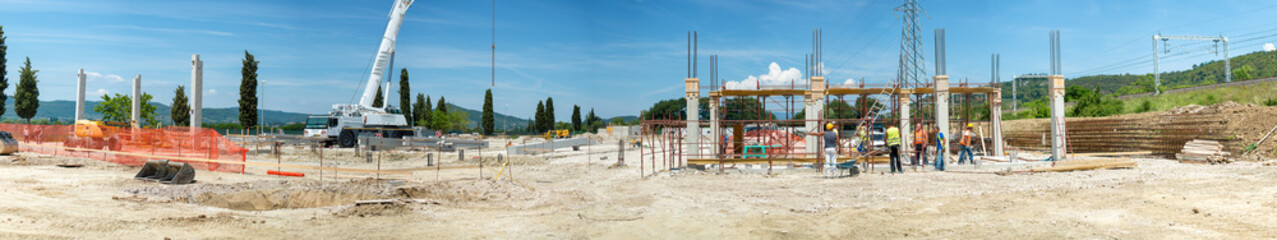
(893, 145)
(920, 145)
(965, 143)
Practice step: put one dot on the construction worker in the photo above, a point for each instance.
(965, 142)
(864, 139)
(939, 149)
(919, 145)
(830, 137)
(893, 145)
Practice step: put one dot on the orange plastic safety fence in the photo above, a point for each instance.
(157, 142)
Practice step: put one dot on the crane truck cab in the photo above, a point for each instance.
(345, 131)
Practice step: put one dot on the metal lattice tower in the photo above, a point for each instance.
(913, 69)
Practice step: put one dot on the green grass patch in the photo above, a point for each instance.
(1260, 94)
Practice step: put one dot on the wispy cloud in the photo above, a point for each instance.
(172, 30)
(96, 76)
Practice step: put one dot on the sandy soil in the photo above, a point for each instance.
(569, 195)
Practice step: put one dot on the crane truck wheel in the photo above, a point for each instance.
(346, 138)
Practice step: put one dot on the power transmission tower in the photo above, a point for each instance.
(913, 67)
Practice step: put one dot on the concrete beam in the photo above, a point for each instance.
(1058, 131)
(716, 131)
(197, 91)
(693, 132)
(813, 109)
(136, 109)
(995, 121)
(79, 95)
(942, 108)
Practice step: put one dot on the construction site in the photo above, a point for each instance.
(810, 159)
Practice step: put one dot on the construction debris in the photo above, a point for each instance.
(1203, 151)
(1089, 164)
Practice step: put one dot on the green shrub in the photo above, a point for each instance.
(1144, 107)
(1270, 102)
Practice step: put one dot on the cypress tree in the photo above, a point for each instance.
(181, 111)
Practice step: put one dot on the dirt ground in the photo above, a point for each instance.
(575, 195)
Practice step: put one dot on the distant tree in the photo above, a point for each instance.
(562, 126)
(488, 120)
(439, 120)
(430, 110)
(405, 96)
(419, 111)
(616, 121)
(576, 118)
(442, 106)
(4, 80)
(379, 100)
(531, 126)
(540, 118)
(248, 92)
(26, 99)
(181, 111)
(549, 114)
(593, 122)
(458, 120)
(119, 108)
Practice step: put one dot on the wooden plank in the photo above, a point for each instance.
(1113, 154)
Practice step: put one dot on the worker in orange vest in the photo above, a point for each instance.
(965, 143)
(920, 145)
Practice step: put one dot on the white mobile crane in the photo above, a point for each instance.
(347, 122)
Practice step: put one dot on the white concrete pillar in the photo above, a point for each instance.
(716, 131)
(1057, 117)
(995, 120)
(693, 132)
(906, 130)
(814, 109)
(136, 109)
(942, 109)
(79, 96)
(197, 91)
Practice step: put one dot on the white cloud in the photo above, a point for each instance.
(95, 76)
(850, 81)
(100, 92)
(1268, 47)
(211, 92)
(774, 76)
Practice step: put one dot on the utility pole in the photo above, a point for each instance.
(1157, 73)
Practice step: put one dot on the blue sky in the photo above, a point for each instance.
(617, 57)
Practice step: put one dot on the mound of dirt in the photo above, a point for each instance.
(268, 195)
(467, 192)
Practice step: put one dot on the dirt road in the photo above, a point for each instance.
(570, 198)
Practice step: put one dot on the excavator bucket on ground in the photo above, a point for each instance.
(8, 145)
(166, 172)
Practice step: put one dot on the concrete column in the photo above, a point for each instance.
(693, 131)
(79, 96)
(197, 91)
(906, 130)
(814, 109)
(715, 129)
(942, 109)
(136, 113)
(1057, 117)
(995, 120)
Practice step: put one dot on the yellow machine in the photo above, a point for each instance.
(557, 134)
(95, 135)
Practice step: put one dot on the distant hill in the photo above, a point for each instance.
(1261, 65)
(64, 110)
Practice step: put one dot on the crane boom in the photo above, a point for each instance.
(384, 53)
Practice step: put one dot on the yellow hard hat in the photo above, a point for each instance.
(970, 125)
(829, 126)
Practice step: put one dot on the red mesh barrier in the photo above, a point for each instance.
(133, 147)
